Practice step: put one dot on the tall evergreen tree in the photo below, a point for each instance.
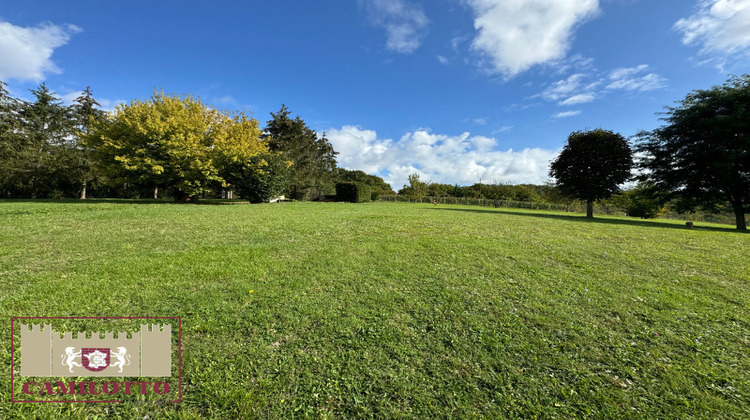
(10, 141)
(313, 158)
(85, 112)
(6, 108)
(47, 131)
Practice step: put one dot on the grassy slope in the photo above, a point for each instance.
(395, 310)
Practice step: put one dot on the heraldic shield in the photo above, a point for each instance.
(95, 359)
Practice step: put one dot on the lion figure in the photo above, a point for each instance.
(69, 358)
(123, 359)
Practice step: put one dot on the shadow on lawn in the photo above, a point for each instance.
(610, 221)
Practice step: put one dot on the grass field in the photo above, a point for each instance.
(396, 310)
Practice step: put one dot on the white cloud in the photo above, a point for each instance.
(404, 23)
(456, 42)
(564, 90)
(462, 159)
(482, 143)
(575, 62)
(719, 26)
(503, 129)
(581, 88)
(631, 79)
(110, 105)
(566, 114)
(443, 60)
(516, 35)
(480, 121)
(581, 98)
(226, 100)
(26, 52)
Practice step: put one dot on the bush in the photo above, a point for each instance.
(364, 193)
(642, 202)
(260, 178)
(644, 207)
(353, 192)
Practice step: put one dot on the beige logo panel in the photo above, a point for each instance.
(45, 352)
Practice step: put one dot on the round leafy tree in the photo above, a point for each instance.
(173, 141)
(592, 166)
(702, 155)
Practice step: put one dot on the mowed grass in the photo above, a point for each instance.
(397, 310)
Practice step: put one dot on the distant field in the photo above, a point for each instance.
(397, 310)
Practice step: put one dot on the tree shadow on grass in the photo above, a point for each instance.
(601, 220)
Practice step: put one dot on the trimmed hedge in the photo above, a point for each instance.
(353, 192)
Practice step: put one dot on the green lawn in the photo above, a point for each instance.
(396, 310)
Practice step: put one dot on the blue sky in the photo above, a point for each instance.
(455, 90)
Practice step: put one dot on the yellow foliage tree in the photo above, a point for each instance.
(174, 142)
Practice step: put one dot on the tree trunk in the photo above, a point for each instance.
(739, 215)
(156, 192)
(590, 209)
(83, 191)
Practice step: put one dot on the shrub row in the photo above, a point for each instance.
(353, 192)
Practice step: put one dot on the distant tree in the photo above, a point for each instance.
(592, 166)
(259, 179)
(643, 201)
(175, 142)
(456, 191)
(549, 193)
(435, 189)
(702, 154)
(472, 191)
(416, 189)
(376, 183)
(526, 192)
(496, 192)
(313, 158)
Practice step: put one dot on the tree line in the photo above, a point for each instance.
(171, 145)
(633, 201)
(164, 146)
